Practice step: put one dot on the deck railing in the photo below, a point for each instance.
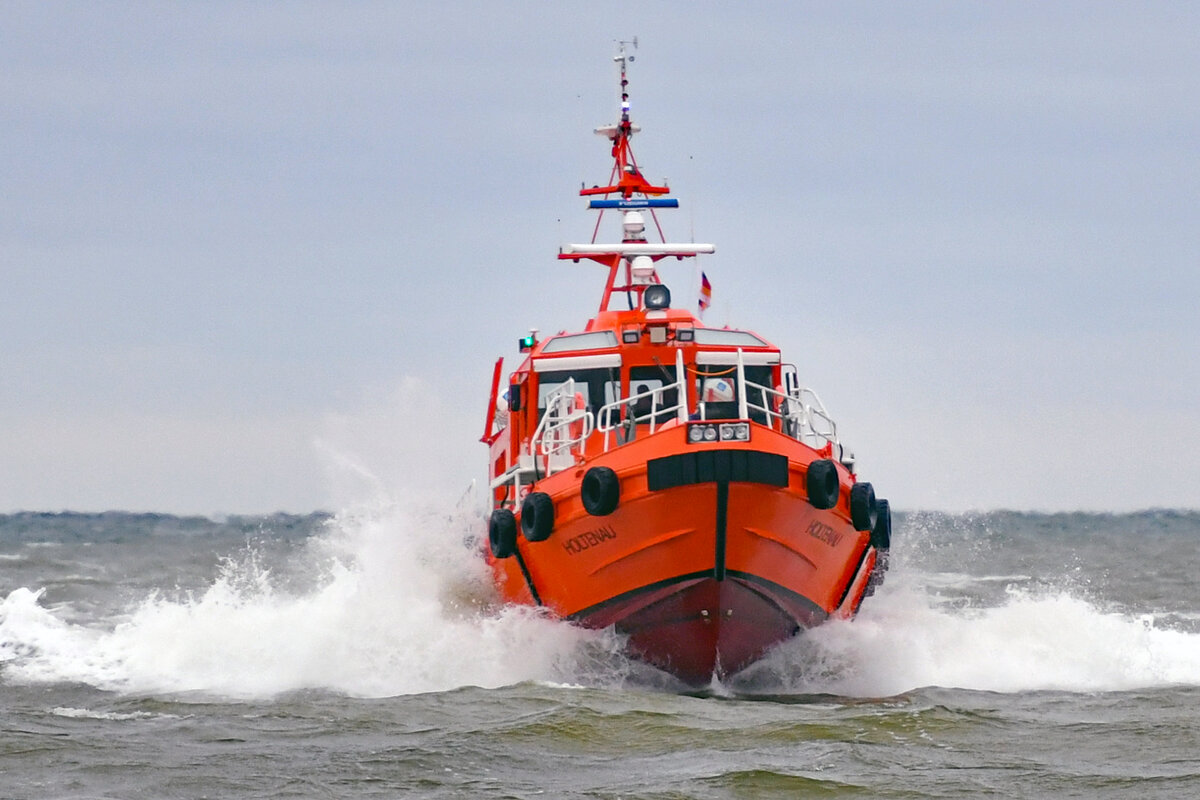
(562, 434)
(801, 412)
(660, 411)
(563, 429)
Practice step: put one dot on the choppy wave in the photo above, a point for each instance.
(399, 604)
(1030, 642)
(395, 600)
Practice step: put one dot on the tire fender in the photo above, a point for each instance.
(502, 533)
(864, 510)
(537, 516)
(881, 534)
(822, 484)
(600, 491)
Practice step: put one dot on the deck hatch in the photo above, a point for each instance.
(705, 466)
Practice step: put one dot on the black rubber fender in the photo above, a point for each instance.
(864, 510)
(502, 533)
(600, 491)
(822, 483)
(881, 534)
(537, 516)
(877, 574)
(881, 540)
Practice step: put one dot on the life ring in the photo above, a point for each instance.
(600, 491)
(537, 516)
(881, 534)
(822, 483)
(864, 510)
(502, 533)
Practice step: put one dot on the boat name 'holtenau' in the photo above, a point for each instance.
(592, 538)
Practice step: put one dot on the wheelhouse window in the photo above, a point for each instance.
(758, 376)
(596, 386)
(655, 393)
(593, 340)
(718, 391)
(722, 337)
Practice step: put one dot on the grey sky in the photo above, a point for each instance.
(252, 251)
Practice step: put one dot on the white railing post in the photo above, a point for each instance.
(681, 390)
(743, 412)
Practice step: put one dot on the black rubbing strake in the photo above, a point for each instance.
(704, 466)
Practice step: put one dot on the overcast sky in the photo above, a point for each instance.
(261, 256)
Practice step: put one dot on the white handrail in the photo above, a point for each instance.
(610, 411)
(553, 437)
(563, 430)
(804, 416)
(743, 389)
(681, 385)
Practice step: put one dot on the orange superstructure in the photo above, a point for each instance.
(671, 480)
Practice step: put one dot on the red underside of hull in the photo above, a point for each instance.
(700, 627)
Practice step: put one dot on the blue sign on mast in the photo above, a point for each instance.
(643, 202)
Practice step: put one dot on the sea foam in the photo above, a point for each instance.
(906, 638)
(395, 599)
(400, 603)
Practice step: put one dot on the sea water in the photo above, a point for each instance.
(364, 654)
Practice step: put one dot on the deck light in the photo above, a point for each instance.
(631, 336)
(705, 432)
(735, 432)
(685, 334)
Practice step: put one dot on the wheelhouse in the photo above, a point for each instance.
(634, 374)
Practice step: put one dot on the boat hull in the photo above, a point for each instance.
(713, 554)
(701, 627)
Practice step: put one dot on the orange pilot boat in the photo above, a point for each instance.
(670, 480)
